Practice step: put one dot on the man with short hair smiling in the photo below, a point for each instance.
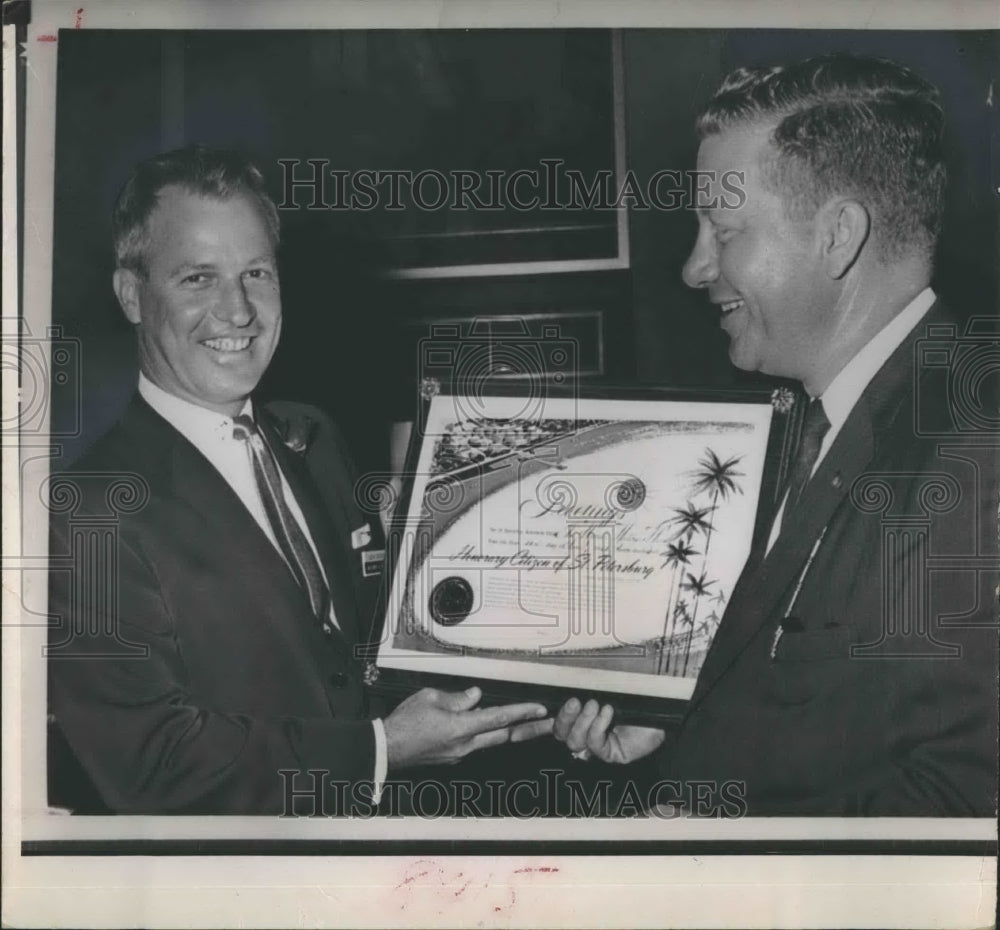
(849, 675)
(219, 673)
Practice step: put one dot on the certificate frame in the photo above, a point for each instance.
(419, 639)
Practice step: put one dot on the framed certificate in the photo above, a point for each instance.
(563, 545)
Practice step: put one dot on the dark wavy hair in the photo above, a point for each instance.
(865, 127)
(209, 172)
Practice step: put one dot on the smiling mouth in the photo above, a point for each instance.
(729, 306)
(228, 344)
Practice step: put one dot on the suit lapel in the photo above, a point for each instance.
(763, 594)
(192, 481)
(767, 582)
(261, 567)
(332, 554)
(803, 525)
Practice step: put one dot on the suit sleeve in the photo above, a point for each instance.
(941, 733)
(940, 717)
(122, 701)
(938, 705)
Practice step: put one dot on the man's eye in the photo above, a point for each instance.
(198, 277)
(260, 274)
(724, 234)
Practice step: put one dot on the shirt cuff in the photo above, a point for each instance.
(381, 760)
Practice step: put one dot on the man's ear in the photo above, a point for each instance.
(126, 285)
(846, 227)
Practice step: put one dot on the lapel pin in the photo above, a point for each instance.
(837, 481)
(361, 536)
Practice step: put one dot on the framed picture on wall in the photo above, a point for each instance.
(560, 545)
(528, 162)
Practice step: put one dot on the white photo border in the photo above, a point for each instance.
(127, 884)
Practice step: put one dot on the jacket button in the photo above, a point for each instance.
(338, 679)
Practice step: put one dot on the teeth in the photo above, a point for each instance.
(731, 305)
(228, 345)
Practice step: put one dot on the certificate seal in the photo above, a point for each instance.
(451, 601)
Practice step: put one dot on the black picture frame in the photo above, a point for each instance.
(394, 683)
(550, 228)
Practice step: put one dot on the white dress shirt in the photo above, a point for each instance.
(211, 433)
(847, 387)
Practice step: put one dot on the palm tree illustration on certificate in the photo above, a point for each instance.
(717, 478)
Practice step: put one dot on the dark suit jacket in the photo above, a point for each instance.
(186, 669)
(908, 562)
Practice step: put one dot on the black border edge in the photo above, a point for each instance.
(486, 848)
(395, 684)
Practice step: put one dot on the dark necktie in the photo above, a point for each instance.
(814, 428)
(291, 540)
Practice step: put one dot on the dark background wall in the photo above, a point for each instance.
(348, 339)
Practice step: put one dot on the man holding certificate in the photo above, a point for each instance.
(855, 668)
(210, 665)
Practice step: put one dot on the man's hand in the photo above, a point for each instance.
(586, 728)
(433, 727)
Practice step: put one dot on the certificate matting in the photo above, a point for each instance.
(557, 545)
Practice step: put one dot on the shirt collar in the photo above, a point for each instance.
(198, 425)
(849, 384)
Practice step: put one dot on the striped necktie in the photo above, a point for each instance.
(814, 427)
(292, 542)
